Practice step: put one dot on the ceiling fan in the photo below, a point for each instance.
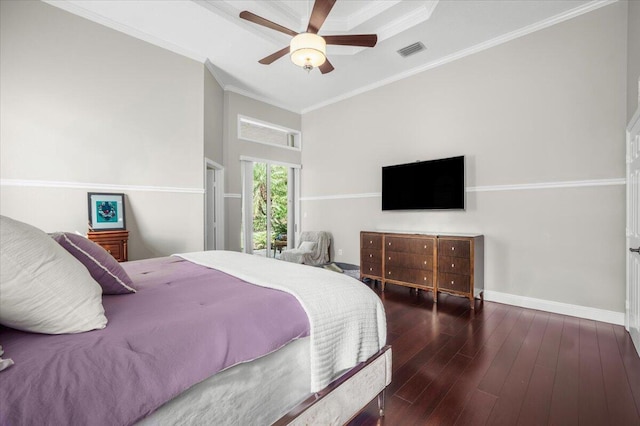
(308, 49)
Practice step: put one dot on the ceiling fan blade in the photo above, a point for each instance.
(321, 9)
(252, 17)
(274, 56)
(326, 67)
(366, 40)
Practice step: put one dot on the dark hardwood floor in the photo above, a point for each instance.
(503, 365)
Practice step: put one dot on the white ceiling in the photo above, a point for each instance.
(211, 31)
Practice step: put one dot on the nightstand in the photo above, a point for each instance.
(115, 242)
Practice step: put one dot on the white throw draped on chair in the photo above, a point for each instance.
(318, 255)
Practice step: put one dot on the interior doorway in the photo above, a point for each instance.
(633, 230)
(269, 204)
(213, 206)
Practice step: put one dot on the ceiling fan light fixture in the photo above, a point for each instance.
(308, 50)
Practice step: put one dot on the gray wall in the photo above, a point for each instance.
(235, 148)
(633, 57)
(213, 118)
(548, 107)
(81, 103)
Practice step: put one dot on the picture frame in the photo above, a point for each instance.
(106, 211)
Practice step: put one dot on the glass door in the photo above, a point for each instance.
(267, 210)
(279, 209)
(260, 209)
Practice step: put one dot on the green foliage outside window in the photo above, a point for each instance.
(279, 208)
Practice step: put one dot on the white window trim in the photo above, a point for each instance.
(272, 126)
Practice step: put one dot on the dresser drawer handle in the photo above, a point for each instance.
(108, 251)
(389, 272)
(453, 266)
(425, 278)
(451, 281)
(370, 269)
(370, 255)
(453, 248)
(425, 246)
(425, 262)
(370, 241)
(389, 242)
(389, 257)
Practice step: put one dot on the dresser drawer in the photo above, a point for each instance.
(409, 245)
(455, 282)
(409, 275)
(456, 248)
(398, 259)
(370, 241)
(370, 255)
(456, 265)
(113, 249)
(374, 269)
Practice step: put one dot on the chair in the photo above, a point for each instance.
(313, 249)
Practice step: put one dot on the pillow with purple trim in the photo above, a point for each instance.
(101, 265)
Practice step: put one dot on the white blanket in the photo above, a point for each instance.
(347, 319)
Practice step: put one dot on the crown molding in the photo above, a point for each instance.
(157, 41)
(407, 21)
(359, 17)
(264, 99)
(589, 7)
(133, 32)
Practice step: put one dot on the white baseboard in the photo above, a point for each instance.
(586, 312)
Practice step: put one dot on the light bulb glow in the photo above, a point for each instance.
(308, 50)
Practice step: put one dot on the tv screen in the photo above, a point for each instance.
(424, 185)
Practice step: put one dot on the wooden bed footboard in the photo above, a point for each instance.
(344, 398)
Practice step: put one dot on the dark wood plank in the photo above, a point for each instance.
(440, 385)
(460, 394)
(620, 404)
(593, 406)
(550, 346)
(631, 362)
(477, 410)
(537, 400)
(412, 389)
(496, 375)
(545, 368)
(507, 408)
(472, 346)
(564, 398)
(406, 371)
(408, 345)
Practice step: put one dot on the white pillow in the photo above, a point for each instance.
(43, 288)
(307, 246)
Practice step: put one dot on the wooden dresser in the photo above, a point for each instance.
(440, 263)
(115, 242)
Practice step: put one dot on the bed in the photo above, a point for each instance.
(207, 338)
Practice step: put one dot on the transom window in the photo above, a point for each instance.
(253, 130)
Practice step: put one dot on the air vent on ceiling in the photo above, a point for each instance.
(411, 49)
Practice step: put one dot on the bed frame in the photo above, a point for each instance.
(344, 398)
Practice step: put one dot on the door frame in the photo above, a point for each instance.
(247, 231)
(218, 170)
(632, 230)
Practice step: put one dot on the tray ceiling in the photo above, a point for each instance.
(210, 31)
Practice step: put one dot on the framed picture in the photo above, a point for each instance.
(106, 211)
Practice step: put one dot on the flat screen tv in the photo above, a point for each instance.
(424, 185)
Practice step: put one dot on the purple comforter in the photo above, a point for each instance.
(186, 323)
